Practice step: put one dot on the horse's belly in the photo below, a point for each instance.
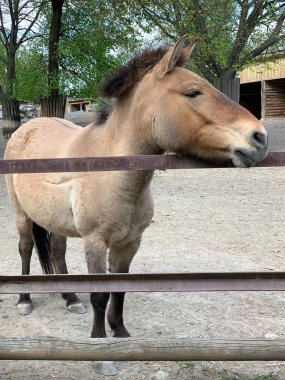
(46, 200)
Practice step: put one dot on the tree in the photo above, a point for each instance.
(85, 43)
(18, 24)
(54, 104)
(96, 37)
(231, 33)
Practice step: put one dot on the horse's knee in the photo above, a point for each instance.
(99, 301)
(95, 253)
(120, 258)
(25, 246)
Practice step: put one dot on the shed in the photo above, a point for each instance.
(262, 88)
(73, 105)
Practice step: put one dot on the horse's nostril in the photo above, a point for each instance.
(259, 139)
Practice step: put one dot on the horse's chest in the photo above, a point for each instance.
(129, 222)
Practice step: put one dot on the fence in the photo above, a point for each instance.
(138, 349)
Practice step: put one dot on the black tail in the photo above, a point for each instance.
(42, 244)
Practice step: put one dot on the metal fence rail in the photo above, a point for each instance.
(151, 282)
(85, 164)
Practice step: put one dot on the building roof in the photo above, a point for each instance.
(272, 68)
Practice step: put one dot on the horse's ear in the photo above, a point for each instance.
(188, 51)
(175, 56)
(170, 59)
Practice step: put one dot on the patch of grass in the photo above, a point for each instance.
(225, 375)
(187, 364)
(229, 376)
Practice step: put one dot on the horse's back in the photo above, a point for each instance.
(41, 137)
(43, 197)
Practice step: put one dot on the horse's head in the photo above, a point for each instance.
(184, 112)
(191, 116)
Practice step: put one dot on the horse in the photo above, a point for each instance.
(158, 105)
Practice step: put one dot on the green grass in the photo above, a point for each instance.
(237, 377)
(228, 375)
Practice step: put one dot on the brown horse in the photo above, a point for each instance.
(158, 106)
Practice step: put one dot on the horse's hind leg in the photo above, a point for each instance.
(58, 250)
(24, 226)
(120, 260)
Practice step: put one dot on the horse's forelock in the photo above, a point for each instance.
(122, 81)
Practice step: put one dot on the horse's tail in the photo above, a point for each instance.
(42, 244)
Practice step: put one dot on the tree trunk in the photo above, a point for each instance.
(53, 106)
(11, 116)
(54, 37)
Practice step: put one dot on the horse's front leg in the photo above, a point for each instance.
(96, 252)
(120, 260)
(58, 250)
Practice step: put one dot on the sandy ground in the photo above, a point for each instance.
(205, 220)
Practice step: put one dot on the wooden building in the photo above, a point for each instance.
(262, 88)
(73, 105)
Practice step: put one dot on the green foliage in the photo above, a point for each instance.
(89, 48)
(231, 34)
(96, 37)
(31, 68)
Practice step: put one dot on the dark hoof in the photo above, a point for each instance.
(77, 308)
(121, 332)
(25, 308)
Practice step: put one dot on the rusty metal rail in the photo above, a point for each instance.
(151, 282)
(151, 162)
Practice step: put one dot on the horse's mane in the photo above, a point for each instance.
(119, 84)
(123, 80)
(103, 113)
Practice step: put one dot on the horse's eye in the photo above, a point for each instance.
(193, 94)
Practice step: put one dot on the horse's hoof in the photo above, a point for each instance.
(121, 332)
(25, 308)
(106, 368)
(77, 308)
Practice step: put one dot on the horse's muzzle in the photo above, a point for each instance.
(255, 152)
(259, 140)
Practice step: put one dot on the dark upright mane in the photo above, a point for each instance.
(119, 83)
(122, 81)
(103, 112)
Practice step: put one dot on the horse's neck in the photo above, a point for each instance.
(131, 129)
(129, 137)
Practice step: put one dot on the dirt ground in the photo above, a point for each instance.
(205, 220)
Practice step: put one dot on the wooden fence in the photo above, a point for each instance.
(138, 349)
